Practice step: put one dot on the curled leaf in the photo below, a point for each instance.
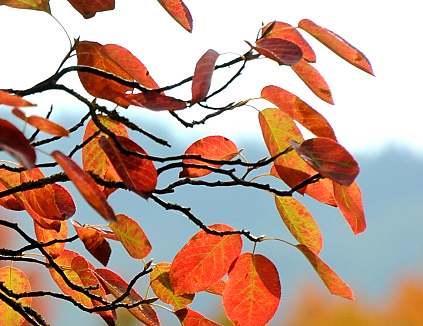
(201, 80)
(282, 51)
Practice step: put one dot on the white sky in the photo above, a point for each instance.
(368, 111)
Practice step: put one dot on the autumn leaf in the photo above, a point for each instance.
(212, 147)
(204, 260)
(282, 51)
(12, 99)
(337, 44)
(155, 101)
(217, 288)
(42, 5)
(46, 235)
(252, 292)
(332, 281)
(189, 317)
(64, 201)
(88, 8)
(179, 11)
(203, 73)
(9, 179)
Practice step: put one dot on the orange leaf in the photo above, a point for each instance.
(160, 284)
(282, 51)
(132, 236)
(203, 73)
(253, 290)
(299, 111)
(212, 147)
(155, 101)
(300, 223)
(332, 281)
(138, 174)
(9, 179)
(11, 99)
(337, 44)
(204, 260)
(328, 158)
(64, 201)
(16, 281)
(314, 80)
(88, 8)
(179, 11)
(86, 185)
(351, 205)
(14, 142)
(42, 5)
(45, 235)
(189, 317)
(217, 288)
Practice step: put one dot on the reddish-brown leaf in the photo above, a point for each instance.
(189, 317)
(132, 236)
(290, 33)
(155, 101)
(14, 142)
(328, 158)
(88, 8)
(9, 179)
(351, 205)
(45, 235)
(299, 111)
(86, 185)
(11, 99)
(332, 281)
(282, 51)
(253, 291)
(64, 201)
(212, 147)
(204, 260)
(337, 44)
(42, 5)
(300, 223)
(160, 284)
(179, 11)
(203, 73)
(138, 174)
(314, 80)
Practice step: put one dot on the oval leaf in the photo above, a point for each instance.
(282, 51)
(179, 12)
(189, 317)
(12, 99)
(155, 101)
(201, 80)
(88, 8)
(64, 201)
(45, 235)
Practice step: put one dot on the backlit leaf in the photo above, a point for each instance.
(88, 8)
(64, 201)
(217, 288)
(14, 142)
(12, 99)
(300, 223)
(282, 51)
(160, 284)
(332, 281)
(201, 80)
(9, 179)
(155, 101)
(42, 5)
(337, 44)
(45, 235)
(86, 185)
(328, 158)
(351, 205)
(16, 281)
(253, 290)
(189, 317)
(212, 147)
(314, 80)
(132, 236)
(204, 260)
(179, 11)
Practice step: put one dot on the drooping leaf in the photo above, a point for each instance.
(155, 101)
(132, 236)
(45, 235)
(253, 290)
(117, 286)
(282, 51)
(12, 99)
(14, 142)
(212, 147)
(86, 185)
(42, 5)
(16, 281)
(299, 111)
(179, 11)
(300, 223)
(160, 284)
(203, 73)
(332, 281)
(10, 179)
(204, 260)
(189, 317)
(88, 8)
(337, 44)
(314, 80)
(322, 191)
(328, 158)
(351, 205)
(290, 33)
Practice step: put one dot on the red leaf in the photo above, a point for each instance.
(13, 100)
(282, 51)
(217, 288)
(45, 235)
(290, 33)
(86, 185)
(201, 80)
(252, 292)
(329, 159)
(212, 147)
(337, 44)
(155, 101)
(42, 5)
(189, 317)
(138, 174)
(132, 236)
(88, 8)
(299, 111)
(204, 260)
(351, 205)
(332, 281)
(64, 201)
(179, 12)
(314, 80)
(14, 142)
